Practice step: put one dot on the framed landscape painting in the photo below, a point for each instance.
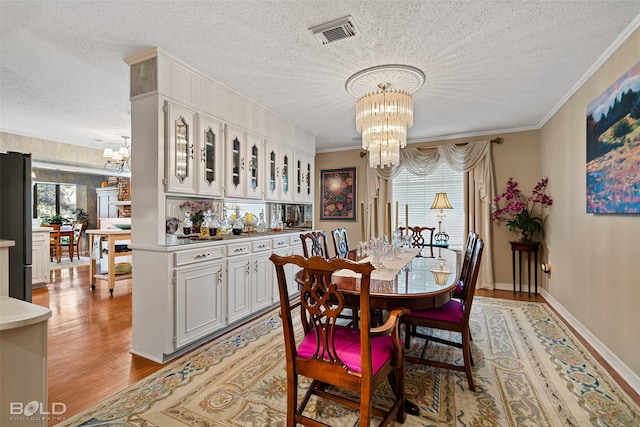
(338, 194)
(613, 147)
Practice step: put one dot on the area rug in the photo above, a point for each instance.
(65, 262)
(530, 370)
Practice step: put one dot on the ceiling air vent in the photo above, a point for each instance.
(335, 30)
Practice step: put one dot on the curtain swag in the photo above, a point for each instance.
(461, 158)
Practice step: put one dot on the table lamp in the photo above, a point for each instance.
(441, 202)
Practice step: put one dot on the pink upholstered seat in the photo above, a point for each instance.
(450, 312)
(347, 343)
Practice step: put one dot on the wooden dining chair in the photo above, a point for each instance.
(73, 243)
(465, 269)
(355, 359)
(452, 316)
(55, 250)
(314, 243)
(420, 237)
(340, 242)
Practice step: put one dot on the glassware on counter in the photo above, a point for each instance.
(206, 224)
(262, 226)
(276, 219)
(215, 226)
(237, 226)
(187, 223)
(224, 224)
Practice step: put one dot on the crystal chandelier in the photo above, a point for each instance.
(118, 160)
(383, 119)
(384, 110)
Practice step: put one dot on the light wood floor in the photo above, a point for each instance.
(90, 338)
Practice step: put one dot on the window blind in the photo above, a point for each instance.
(418, 193)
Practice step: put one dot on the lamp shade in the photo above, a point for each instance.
(441, 202)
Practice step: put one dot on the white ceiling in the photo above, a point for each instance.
(490, 66)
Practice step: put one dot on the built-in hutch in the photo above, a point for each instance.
(196, 139)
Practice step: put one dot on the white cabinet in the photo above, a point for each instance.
(239, 288)
(23, 361)
(209, 151)
(286, 189)
(40, 256)
(234, 150)
(285, 246)
(302, 177)
(254, 175)
(199, 301)
(279, 167)
(179, 167)
(250, 278)
(244, 161)
(107, 198)
(272, 171)
(261, 275)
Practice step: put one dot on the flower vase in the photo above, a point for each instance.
(525, 236)
(195, 229)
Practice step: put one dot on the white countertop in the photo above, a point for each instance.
(108, 231)
(15, 313)
(7, 243)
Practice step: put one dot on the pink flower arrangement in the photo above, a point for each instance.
(520, 211)
(197, 208)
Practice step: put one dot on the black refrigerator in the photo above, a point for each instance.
(15, 220)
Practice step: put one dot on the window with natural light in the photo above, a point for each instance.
(54, 199)
(418, 192)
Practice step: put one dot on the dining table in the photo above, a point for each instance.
(410, 281)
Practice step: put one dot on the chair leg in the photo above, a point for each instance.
(292, 400)
(466, 353)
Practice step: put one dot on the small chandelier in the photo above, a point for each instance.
(384, 110)
(118, 160)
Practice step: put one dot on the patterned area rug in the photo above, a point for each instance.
(529, 371)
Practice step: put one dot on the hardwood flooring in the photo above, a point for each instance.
(90, 339)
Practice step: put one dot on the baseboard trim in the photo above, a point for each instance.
(616, 364)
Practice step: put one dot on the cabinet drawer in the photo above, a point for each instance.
(239, 249)
(198, 255)
(295, 241)
(280, 242)
(261, 246)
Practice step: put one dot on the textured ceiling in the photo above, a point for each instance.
(489, 66)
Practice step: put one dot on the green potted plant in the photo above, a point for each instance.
(82, 216)
(54, 219)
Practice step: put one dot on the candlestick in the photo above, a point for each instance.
(362, 236)
(396, 215)
(387, 219)
(406, 217)
(375, 217)
(388, 229)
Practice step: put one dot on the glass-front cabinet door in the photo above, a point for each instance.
(236, 162)
(209, 151)
(254, 166)
(179, 167)
(286, 171)
(273, 170)
(303, 175)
